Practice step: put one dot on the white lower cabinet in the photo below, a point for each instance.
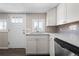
(42, 46)
(37, 45)
(52, 48)
(31, 47)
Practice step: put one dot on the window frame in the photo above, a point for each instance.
(38, 21)
(4, 29)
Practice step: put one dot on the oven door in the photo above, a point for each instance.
(60, 51)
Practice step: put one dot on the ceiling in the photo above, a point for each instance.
(26, 7)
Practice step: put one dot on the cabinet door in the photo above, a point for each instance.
(51, 17)
(42, 46)
(61, 14)
(31, 46)
(72, 12)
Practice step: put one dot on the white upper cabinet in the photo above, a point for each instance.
(72, 12)
(67, 13)
(51, 17)
(61, 13)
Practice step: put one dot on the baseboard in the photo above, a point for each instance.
(3, 47)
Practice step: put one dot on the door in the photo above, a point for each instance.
(61, 14)
(51, 17)
(16, 35)
(72, 12)
(42, 45)
(31, 45)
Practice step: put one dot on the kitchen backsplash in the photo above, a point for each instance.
(50, 29)
(68, 27)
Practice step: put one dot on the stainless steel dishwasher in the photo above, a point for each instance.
(60, 51)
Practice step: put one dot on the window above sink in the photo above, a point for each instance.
(38, 25)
